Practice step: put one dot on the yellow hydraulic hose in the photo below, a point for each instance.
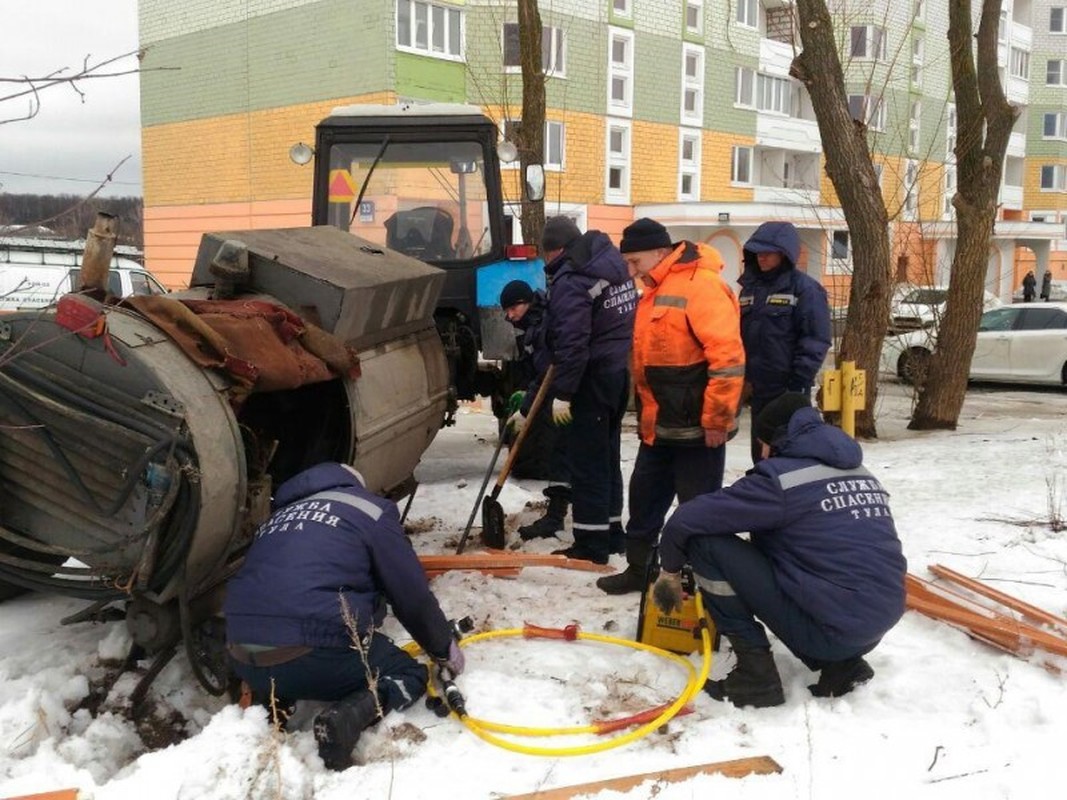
(485, 729)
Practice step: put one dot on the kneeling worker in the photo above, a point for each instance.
(823, 569)
(327, 560)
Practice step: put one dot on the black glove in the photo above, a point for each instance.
(667, 592)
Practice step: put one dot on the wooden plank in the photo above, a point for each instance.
(58, 794)
(492, 559)
(1015, 604)
(738, 768)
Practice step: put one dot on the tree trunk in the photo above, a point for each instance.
(985, 119)
(848, 164)
(531, 137)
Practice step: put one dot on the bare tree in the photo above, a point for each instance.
(849, 166)
(531, 134)
(985, 122)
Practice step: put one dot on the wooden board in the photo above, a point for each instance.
(738, 768)
(502, 559)
(58, 794)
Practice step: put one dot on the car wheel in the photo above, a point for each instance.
(913, 366)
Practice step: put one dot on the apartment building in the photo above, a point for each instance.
(673, 109)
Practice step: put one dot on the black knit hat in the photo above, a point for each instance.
(644, 234)
(773, 421)
(558, 233)
(516, 292)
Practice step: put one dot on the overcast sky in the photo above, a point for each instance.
(74, 141)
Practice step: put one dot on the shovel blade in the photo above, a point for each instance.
(493, 524)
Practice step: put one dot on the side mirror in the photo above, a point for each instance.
(535, 182)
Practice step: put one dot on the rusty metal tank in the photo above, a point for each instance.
(129, 471)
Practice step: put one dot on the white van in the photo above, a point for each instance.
(35, 273)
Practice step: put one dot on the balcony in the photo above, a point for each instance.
(788, 133)
(775, 57)
(1017, 144)
(1011, 197)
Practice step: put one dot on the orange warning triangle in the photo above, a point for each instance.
(342, 190)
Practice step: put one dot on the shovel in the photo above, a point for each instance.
(492, 513)
(481, 493)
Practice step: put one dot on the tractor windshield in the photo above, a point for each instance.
(425, 199)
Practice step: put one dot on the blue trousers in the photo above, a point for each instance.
(593, 446)
(333, 674)
(738, 584)
(663, 471)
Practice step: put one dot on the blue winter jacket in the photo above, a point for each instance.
(591, 302)
(785, 317)
(532, 343)
(330, 538)
(821, 519)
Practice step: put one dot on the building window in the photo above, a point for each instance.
(914, 125)
(839, 250)
(911, 189)
(429, 29)
(555, 146)
(618, 177)
(868, 110)
(1002, 28)
(1057, 19)
(1055, 125)
(920, 10)
(774, 94)
(621, 8)
(748, 13)
(688, 165)
(621, 72)
(745, 87)
(1053, 178)
(553, 50)
(741, 170)
(1056, 72)
(917, 61)
(948, 211)
(692, 85)
(1020, 63)
(694, 17)
(950, 132)
(868, 41)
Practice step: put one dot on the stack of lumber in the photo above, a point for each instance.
(989, 615)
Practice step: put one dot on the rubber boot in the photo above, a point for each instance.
(631, 579)
(841, 677)
(337, 729)
(754, 680)
(551, 524)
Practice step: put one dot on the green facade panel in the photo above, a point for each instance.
(428, 78)
(314, 52)
(720, 114)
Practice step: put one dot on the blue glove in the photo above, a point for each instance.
(454, 661)
(561, 412)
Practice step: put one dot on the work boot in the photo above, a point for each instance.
(337, 729)
(551, 524)
(841, 677)
(754, 680)
(633, 578)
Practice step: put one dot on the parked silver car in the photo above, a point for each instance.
(921, 307)
(1015, 344)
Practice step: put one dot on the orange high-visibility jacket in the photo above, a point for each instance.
(688, 359)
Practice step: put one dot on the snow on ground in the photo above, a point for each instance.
(945, 716)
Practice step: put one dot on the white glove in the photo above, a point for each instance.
(561, 412)
(516, 422)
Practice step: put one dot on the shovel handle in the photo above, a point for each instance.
(535, 406)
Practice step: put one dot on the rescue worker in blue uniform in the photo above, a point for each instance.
(591, 302)
(785, 319)
(315, 581)
(823, 568)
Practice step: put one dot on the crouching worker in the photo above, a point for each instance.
(823, 568)
(326, 562)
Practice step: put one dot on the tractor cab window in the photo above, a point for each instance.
(427, 200)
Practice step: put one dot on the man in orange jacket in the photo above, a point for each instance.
(688, 367)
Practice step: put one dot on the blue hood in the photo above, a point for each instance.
(809, 437)
(320, 478)
(773, 237)
(594, 255)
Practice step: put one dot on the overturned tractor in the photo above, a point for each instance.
(140, 439)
